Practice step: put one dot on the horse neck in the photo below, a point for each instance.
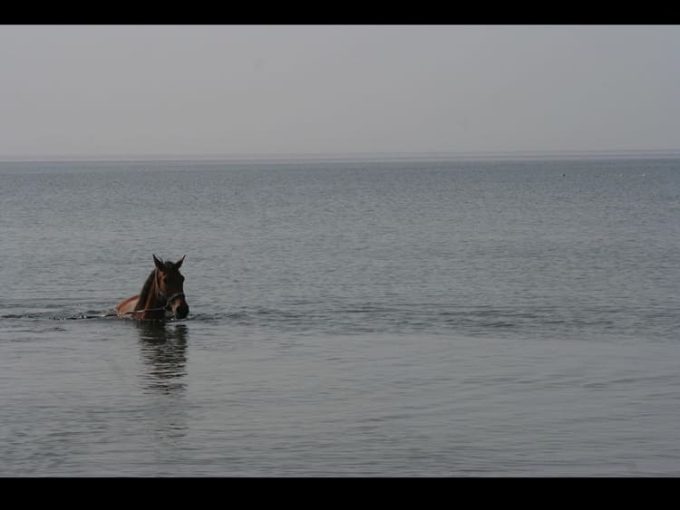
(149, 296)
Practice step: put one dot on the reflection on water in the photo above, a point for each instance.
(163, 348)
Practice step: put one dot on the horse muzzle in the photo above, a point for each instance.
(177, 306)
(182, 310)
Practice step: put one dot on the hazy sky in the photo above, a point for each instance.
(220, 90)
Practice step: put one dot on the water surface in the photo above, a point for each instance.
(433, 318)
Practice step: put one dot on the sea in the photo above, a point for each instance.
(404, 317)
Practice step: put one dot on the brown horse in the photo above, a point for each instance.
(161, 295)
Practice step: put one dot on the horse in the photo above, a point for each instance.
(162, 294)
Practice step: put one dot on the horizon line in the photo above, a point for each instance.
(386, 155)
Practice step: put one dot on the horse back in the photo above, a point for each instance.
(127, 305)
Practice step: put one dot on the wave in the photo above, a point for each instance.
(412, 318)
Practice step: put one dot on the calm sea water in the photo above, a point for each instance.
(500, 318)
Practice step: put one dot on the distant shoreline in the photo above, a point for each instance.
(356, 157)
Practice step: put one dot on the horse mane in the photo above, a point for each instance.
(146, 289)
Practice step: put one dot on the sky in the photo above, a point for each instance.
(182, 90)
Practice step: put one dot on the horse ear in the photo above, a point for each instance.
(178, 264)
(159, 264)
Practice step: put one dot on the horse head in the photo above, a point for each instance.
(170, 287)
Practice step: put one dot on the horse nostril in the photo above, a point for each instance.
(182, 311)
